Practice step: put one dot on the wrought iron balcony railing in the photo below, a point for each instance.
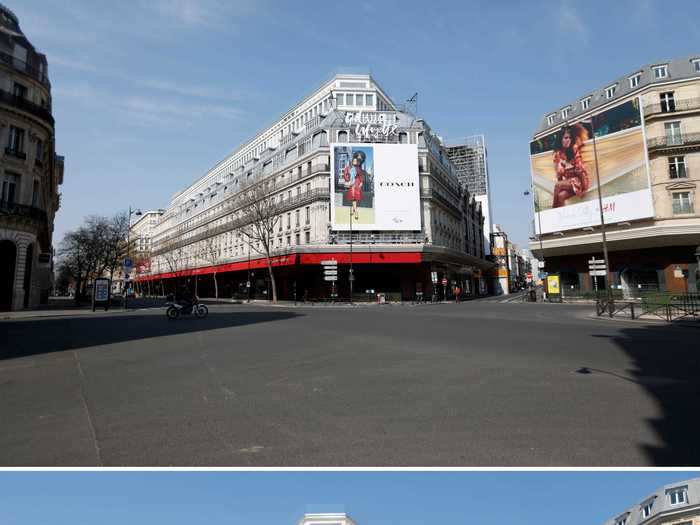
(25, 68)
(674, 141)
(379, 238)
(675, 106)
(26, 105)
(14, 152)
(22, 210)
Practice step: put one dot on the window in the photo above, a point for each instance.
(19, 90)
(10, 183)
(565, 112)
(634, 80)
(308, 214)
(35, 193)
(39, 152)
(550, 119)
(622, 520)
(668, 104)
(298, 239)
(308, 187)
(610, 91)
(280, 222)
(296, 218)
(586, 103)
(289, 240)
(677, 496)
(340, 97)
(369, 99)
(696, 64)
(360, 99)
(403, 138)
(16, 140)
(676, 167)
(682, 203)
(646, 509)
(298, 191)
(289, 220)
(673, 132)
(660, 71)
(349, 99)
(342, 136)
(307, 237)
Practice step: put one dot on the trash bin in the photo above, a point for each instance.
(381, 298)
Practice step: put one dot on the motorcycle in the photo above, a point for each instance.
(175, 309)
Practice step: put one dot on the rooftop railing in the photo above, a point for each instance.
(672, 141)
(674, 106)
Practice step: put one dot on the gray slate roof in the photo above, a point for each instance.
(678, 69)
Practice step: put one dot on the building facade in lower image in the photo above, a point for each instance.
(30, 170)
(673, 504)
(357, 183)
(636, 141)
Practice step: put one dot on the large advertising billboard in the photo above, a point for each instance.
(375, 186)
(563, 167)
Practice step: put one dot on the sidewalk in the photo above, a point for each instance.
(63, 307)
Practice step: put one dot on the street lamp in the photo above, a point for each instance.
(352, 277)
(697, 270)
(536, 209)
(125, 290)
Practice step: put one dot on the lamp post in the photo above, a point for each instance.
(536, 209)
(608, 285)
(248, 283)
(697, 270)
(125, 290)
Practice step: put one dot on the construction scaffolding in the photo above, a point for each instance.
(468, 155)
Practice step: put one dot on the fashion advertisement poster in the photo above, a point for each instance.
(563, 167)
(375, 187)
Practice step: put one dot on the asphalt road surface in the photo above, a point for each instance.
(479, 383)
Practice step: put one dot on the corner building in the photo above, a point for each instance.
(646, 126)
(292, 159)
(30, 170)
(673, 504)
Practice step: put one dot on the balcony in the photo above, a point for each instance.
(380, 238)
(26, 105)
(14, 152)
(688, 104)
(684, 141)
(23, 67)
(21, 210)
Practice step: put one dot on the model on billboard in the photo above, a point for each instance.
(572, 176)
(354, 184)
(354, 177)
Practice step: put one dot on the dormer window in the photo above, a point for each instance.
(660, 71)
(677, 496)
(696, 64)
(565, 112)
(622, 520)
(550, 119)
(646, 508)
(610, 91)
(634, 80)
(586, 103)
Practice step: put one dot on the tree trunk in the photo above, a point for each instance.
(216, 287)
(272, 279)
(78, 283)
(196, 282)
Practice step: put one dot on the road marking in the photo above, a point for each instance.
(87, 410)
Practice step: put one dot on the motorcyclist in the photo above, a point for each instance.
(184, 297)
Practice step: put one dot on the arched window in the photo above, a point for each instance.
(403, 138)
(342, 136)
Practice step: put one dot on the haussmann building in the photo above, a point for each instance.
(640, 136)
(30, 170)
(357, 181)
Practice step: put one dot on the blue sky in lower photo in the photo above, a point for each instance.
(148, 95)
(281, 498)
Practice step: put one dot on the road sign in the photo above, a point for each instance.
(433, 276)
(540, 264)
(444, 281)
(329, 263)
(597, 273)
(596, 267)
(330, 278)
(596, 261)
(128, 263)
(330, 272)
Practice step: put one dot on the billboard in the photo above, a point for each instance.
(563, 168)
(375, 186)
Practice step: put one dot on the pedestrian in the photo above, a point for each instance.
(458, 291)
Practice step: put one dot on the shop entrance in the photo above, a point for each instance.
(8, 257)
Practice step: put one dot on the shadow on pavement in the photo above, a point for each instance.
(34, 337)
(667, 366)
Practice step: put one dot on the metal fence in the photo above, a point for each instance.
(665, 306)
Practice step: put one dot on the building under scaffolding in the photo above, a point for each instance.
(470, 158)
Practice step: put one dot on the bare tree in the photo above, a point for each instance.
(175, 260)
(262, 215)
(211, 255)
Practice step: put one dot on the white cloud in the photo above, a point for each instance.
(571, 22)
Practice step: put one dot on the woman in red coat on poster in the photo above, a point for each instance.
(572, 176)
(354, 178)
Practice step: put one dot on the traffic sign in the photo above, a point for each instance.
(444, 280)
(128, 263)
(330, 272)
(330, 277)
(540, 264)
(597, 273)
(329, 263)
(596, 261)
(433, 276)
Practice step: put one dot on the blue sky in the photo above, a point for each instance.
(276, 498)
(149, 94)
